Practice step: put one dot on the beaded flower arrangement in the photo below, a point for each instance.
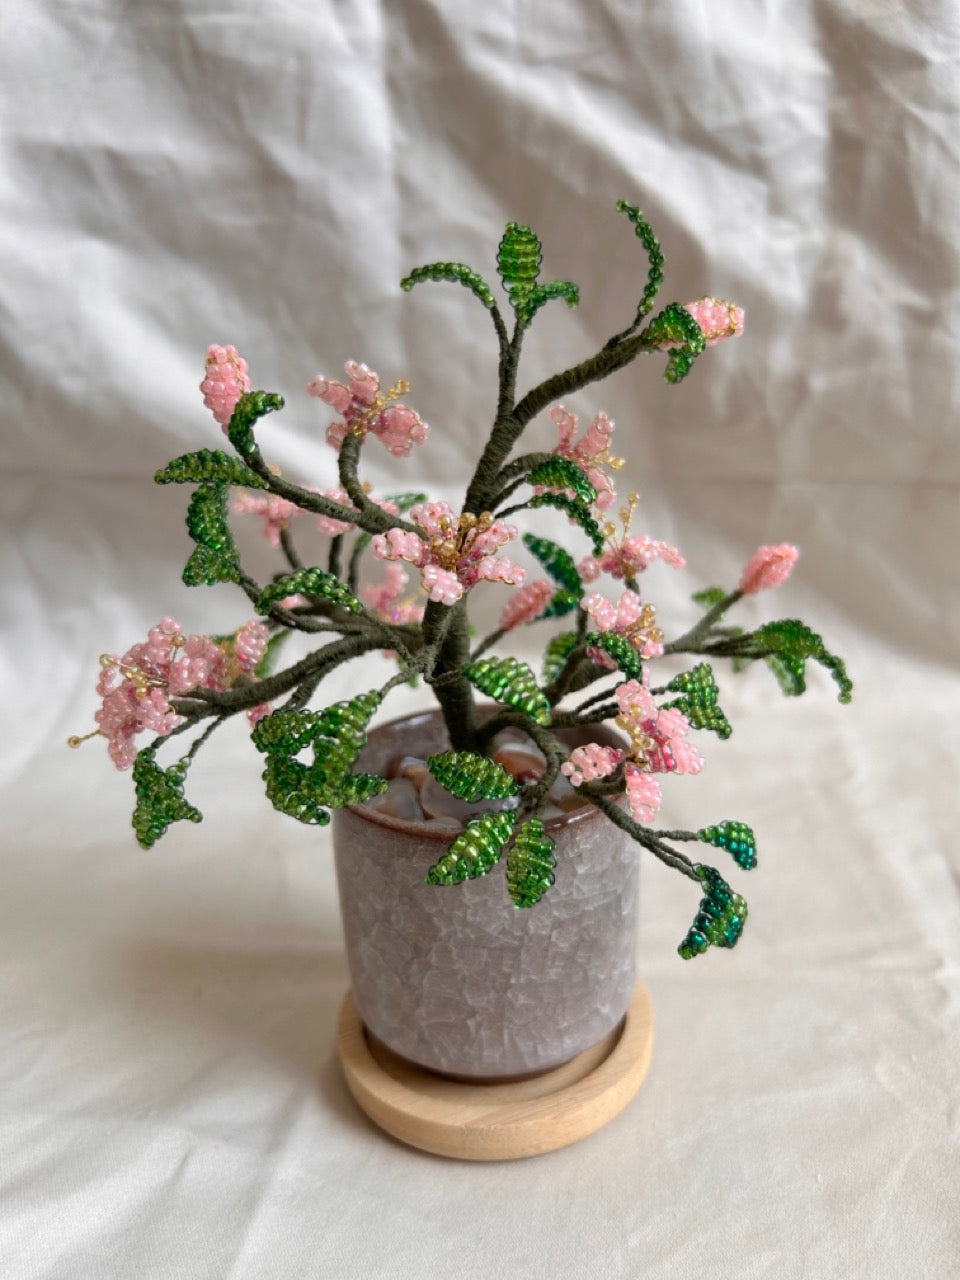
(499, 799)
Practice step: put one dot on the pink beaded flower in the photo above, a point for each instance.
(591, 452)
(224, 382)
(526, 603)
(135, 688)
(768, 567)
(658, 736)
(275, 512)
(590, 761)
(250, 644)
(717, 319)
(386, 598)
(629, 558)
(332, 526)
(456, 553)
(363, 408)
(629, 617)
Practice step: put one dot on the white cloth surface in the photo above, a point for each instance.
(264, 174)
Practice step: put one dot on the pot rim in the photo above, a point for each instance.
(424, 831)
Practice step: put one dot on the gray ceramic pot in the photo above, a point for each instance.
(455, 978)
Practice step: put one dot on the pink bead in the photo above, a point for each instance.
(768, 567)
(250, 644)
(717, 319)
(225, 380)
(441, 585)
(589, 762)
(276, 513)
(643, 793)
(526, 604)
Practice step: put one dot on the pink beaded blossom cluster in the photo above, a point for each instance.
(629, 558)
(224, 382)
(136, 688)
(275, 512)
(590, 452)
(629, 617)
(768, 567)
(363, 408)
(658, 734)
(456, 553)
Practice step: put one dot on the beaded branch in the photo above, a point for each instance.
(173, 683)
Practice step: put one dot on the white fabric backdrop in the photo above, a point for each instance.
(176, 174)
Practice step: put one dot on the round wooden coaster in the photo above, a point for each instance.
(497, 1121)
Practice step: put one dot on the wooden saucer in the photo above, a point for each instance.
(497, 1121)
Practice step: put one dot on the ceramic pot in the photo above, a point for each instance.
(455, 978)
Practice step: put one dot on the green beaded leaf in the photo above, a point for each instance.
(556, 653)
(160, 798)
(475, 851)
(518, 264)
(561, 473)
(736, 837)
(651, 244)
(544, 293)
(675, 325)
(471, 777)
(720, 919)
(620, 650)
(793, 643)
(292, 789)
(530, 864)
(340, 733)
(211, 465)
(355, 788)
(557, 562)
(709, 597)
(511, 682)
(285, 732)
(578, 512)
(249, 409)
(699, 699)
(214, 559)
(562, 603)
(313, 582)
(455, 273)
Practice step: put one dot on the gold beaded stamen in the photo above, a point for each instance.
(377, 405)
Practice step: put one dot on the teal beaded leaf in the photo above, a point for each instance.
(471, 777)
(530, 864)
(620, 650)
(160, 798)
(313, 582)
(455, 273)
(709, 597)
(475, 851)
(556, 653)
(720, 919)
(557, 562)
(793, 643)
(562, 603)
(511, 682)
(578, 512)
(651, 244)
(561, 473)
(214, 559)
(675, 325)
(212, 465)
(699, 699)
(736, 837)
(249, 409)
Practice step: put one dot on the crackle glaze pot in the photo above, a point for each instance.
(455, 978)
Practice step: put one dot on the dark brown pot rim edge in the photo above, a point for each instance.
(587, 813)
